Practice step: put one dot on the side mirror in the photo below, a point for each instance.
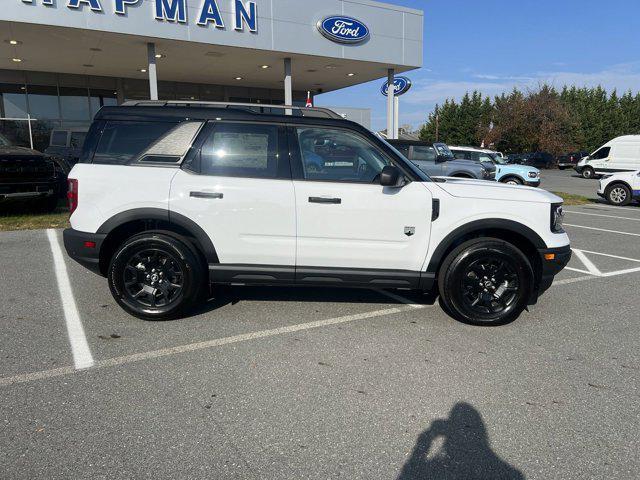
(442, 158)
(390, 176)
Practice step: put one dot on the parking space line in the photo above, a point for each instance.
(400, 299)
(571, 269)
(601, 215)
(82, 357)
(592, 269)
(611, 256)
(568, 280)
(218, 342)
(611, 208)
(602, 230)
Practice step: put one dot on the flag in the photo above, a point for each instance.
(309, 103)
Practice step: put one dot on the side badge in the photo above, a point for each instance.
(409, 231)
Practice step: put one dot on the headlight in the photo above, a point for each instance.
(533, 174)
(557, 218)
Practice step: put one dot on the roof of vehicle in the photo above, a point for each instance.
(409, 142)
(471, 149)
(181, 110)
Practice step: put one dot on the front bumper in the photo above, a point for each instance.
(532, 182)
(579, 168)
(18, 192)
(553, 261)
(84, 248)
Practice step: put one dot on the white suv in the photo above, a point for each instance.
(170, 198)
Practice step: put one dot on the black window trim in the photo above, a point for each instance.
(296, 159)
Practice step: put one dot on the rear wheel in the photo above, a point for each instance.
(588, 173)
(485, 281)
(155, 276)
(618, 194)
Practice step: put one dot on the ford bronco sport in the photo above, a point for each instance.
(172, 197)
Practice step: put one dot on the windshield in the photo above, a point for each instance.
(497, 159)
(419, 173)
(4, 141)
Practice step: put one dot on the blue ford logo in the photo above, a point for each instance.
(343, 29)
(401, 85)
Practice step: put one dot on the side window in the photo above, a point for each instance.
(461, 154)
(123, 141)
(334, 155)
(424, 154)
(241, 150)
(602, 153)
(483, 157)
(403, 149)
(59, 138)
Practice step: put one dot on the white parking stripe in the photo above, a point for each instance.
(593, 270)
(79, 347)
(567, 281)
(571, 269)
(601, 215)
(218, 342)
(602, 230)
(609, 255)
(400, 299)
(611, 207)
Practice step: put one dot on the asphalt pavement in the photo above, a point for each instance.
(285, 383)
(568, 181)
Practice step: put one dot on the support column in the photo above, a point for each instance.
(288, 85)
(153, 74)
(390, 104)
(396, 116)
(119, 91)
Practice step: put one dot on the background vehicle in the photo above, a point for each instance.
(169, 198)
(27, 178)
(620, 188)
(65, 146)
(505, 172)
(533, 159)
(437, 160)
(570, 160)
(622, 154)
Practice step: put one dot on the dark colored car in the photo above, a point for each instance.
(570, 160)
(438, 161)
(532, 159)
(65, 147)
(27, 178)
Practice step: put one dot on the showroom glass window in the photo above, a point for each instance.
(335, 155)
(241, 150)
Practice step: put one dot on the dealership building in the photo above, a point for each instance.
(61, 60)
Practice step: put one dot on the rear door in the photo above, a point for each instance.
(237, 187)
(345, 219)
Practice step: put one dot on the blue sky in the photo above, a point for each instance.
(494, 45)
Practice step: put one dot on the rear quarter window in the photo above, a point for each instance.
(123, 141)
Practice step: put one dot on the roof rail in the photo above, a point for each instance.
(257, 108)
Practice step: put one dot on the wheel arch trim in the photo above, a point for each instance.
(478, 226)
(158, 214)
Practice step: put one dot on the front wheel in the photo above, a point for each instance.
(512, 181)
(588, 173)
(485, 281)
(155, 276)
(618, 194)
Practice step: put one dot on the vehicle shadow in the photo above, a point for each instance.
(232, 295)
(465, 452)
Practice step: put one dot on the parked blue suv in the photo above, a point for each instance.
(505, 172)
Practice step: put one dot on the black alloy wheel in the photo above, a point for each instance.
(156, 276)
(485, 281)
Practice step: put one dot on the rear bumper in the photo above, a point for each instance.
(84, 248)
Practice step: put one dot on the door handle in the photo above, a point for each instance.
(335, 201)
(206, 195)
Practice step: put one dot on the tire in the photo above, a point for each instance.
(588, 173)
(562, 168)
(618, 194)
(470, 297)
(156, 276)
(512, 181)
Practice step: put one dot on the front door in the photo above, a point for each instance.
(345, 218)
(239, 190)
(425, 157)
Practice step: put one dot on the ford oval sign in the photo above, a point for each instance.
(341, 29)
(401, 85)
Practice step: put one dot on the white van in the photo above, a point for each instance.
(622, 154)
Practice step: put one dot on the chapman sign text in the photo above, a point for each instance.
(245, 13)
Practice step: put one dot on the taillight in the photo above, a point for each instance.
(72, 195)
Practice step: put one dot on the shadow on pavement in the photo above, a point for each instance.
(465, 452)
(224, 295)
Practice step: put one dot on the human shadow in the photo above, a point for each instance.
(465, 452)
